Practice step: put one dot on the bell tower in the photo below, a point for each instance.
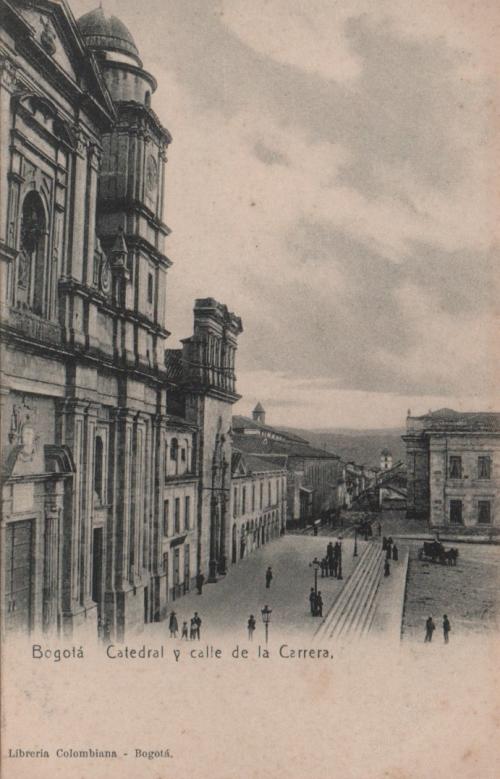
(130, 192)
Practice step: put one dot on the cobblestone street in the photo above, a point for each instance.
(224, 607)
(467, 592)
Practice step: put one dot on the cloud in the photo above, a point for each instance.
(332, 179)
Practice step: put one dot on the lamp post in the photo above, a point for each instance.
(355, 553)
(316, 565)
(266, 618)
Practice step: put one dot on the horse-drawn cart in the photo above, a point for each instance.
(435, 551)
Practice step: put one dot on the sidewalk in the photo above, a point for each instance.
(390, 603)
(224, 607)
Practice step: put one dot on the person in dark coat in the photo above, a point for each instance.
(184, 634)
(331, 565)
(200, 579)
(319, 605)
(173, 625)
(446, 628)
(429, 629)
(395, 552)
(251, 626)
(269, 577)
(387, 567)
(379, 529)
(384, 544)
(313, 601)
(192, 629)
(197, 622)
(329, 550)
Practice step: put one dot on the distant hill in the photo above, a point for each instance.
(362, 446)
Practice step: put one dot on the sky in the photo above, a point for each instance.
(332, 180)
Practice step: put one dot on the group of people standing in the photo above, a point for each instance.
(188, 632)
(391, 553)
(331, 564)
(316, 603)
(430, 627)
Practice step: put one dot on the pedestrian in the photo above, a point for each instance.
(200, 579)
(429, 629)
(446, 628)
(387, 567)
(384, 544)
(338, 550)
(395, 552)
(329, 550)
(184, 633)
(319, 605)
(197, 621)
(269, 577)
(313, 601)
(251, 626)
(173, 625)
(192, 629)
(379, 529)
(331, 565)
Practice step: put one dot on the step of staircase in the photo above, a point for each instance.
(351, 614)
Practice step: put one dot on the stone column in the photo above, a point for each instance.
(51, 573)
(8, 81)
(75, 254)
(94, 162)
(70, 423)
(437, 480)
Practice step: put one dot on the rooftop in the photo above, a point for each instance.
(107, 33)
(446, 419)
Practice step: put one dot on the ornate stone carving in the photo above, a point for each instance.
(48, 37)
(23, 423)
(8, 73)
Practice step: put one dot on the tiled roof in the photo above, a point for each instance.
(254, 464)
(245, 423)
(259, 445)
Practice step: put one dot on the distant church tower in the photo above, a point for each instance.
(258, 414)
(385, 460)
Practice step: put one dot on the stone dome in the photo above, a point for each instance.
(106, 33)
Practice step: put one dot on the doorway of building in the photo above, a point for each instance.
(18, 575)
(456, 512)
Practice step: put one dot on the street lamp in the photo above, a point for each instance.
(266, 618)
(355, 553)
(339, 569)
(316, 565)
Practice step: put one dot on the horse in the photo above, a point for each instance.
(450, 556)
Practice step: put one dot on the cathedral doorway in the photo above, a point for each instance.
(18, 575)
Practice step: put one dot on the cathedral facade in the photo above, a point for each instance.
(116, 452)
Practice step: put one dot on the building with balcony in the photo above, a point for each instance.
(453, 469)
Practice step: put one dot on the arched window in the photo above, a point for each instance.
(174, 449)
(98, 469)
(31, 264)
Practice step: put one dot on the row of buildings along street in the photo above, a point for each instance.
(128, 482)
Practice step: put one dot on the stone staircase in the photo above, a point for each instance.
(351, 615)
